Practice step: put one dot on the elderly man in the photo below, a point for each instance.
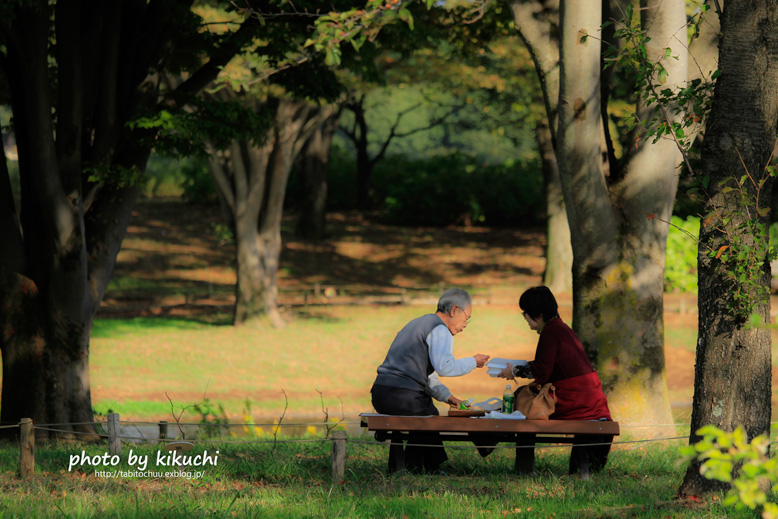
(407, 380)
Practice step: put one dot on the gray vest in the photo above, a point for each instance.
(407, 363)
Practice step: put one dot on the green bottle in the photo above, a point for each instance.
(507, 400)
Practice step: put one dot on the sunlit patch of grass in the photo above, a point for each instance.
(141, 326)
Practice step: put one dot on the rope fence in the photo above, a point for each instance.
(338, 439)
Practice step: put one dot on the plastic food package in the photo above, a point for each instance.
(495, 366)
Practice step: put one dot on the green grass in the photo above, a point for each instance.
(293, 480)
(141, 326)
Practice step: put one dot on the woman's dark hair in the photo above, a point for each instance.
(539, 301)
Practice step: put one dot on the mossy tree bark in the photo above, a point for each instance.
(615, 208)
(732, 384)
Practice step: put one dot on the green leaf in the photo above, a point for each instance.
(332, 58)
(662, 75)
(406, 16)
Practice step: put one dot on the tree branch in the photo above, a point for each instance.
(219, 58)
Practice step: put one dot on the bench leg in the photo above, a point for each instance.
(525, 456)
(396, 454)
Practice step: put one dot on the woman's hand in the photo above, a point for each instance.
(507, 373)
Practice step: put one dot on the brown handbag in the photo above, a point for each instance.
(536, 402)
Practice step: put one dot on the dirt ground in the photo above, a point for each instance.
(172, 255)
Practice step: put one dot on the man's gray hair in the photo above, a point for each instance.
(454, 297)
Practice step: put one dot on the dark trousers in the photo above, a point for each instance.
(408, 402)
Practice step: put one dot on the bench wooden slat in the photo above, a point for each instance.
(380, 422)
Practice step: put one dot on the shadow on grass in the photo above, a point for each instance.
(307, 313)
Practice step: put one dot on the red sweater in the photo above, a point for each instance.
(561, 360)
(559, 354)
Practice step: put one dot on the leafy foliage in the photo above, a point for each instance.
(730, 458)
(648, 74)
(456, 188)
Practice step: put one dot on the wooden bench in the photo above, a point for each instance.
(584, 457)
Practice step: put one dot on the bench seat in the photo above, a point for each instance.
(524, 433)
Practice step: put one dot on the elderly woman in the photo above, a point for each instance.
(561, 360)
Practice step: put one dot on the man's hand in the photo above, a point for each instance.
(454, 402)
(480, 359)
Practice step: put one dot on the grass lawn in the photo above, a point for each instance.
(326, 353)
(291, 480)
(162, 344)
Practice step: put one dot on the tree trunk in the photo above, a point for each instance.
(313, 169)
(558, 275)
(252, 181)
(364, 165)
(58, 256)
(537, 25)
(732, 384)
(618, 248)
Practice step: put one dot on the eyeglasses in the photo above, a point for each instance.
(467, 317)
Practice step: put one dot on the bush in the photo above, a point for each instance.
(681, 260)
(198, 184)
(455, 189)
(163, 176)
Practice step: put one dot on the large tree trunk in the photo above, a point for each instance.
(732, 384)
(618, 248)
(618, 229)
(58, 256)
(313, 168)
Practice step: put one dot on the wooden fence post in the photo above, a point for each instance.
(114, 442)
(338, 455)
(163, 430)
(27, 446)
